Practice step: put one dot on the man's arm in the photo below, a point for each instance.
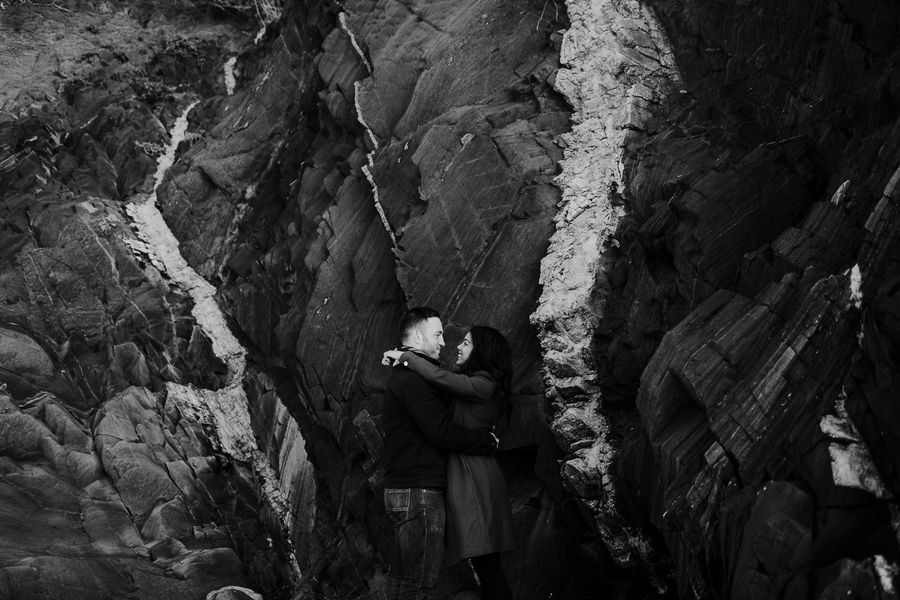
(472, 388)
(433, 418)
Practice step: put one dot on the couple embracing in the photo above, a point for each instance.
(443, 489)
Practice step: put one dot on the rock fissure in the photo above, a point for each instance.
(225, 410)
(566, 316)
(709, 293)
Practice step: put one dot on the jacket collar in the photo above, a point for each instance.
(417, 352)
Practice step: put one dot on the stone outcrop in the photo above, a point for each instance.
(328, 209)
(736, 304)
(682, 215)
(288, 204)
(85, 509)
(110, 488)
(618, 69)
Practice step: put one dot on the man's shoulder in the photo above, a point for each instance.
(399, 374)
(403, 373)
(405, 378)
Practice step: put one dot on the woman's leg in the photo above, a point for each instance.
(494, 585)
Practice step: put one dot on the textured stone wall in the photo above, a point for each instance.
(746, 305)
(418, 170)
(682, 215)
(112, 484)
(618, 69)
(379, 157)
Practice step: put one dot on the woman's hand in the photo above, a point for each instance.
(391, 358)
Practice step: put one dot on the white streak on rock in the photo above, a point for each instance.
(260, 34)
(840, 193)
(851, 466)
(617, 65)
(224, 409)
(887, 573)
(370, 164)
(851, 462)
(342, 19)
(367, 171)
(838, 429)
(163, 248)
(179, 129)
(359, 117)
(856, 286)
(230, 80)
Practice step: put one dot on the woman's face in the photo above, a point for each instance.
(464, 349)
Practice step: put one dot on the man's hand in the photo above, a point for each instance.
(391, 358)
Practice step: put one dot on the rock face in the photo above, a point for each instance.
(410, 163)
(743, 306)
(619, 68)
(111, 489)
(322, 186)
(683, 216)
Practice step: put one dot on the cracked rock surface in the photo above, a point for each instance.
(109, 489)
(682, 214)
(745, 342)
(385, 156)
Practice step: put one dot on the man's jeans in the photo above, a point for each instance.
(419, 516)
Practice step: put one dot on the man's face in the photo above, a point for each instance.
(430, 338)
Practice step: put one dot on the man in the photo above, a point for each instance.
(418, 432)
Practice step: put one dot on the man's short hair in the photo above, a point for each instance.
(415, 317)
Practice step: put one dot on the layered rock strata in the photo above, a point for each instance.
(715, 314)
(741, 310)
(100, 348)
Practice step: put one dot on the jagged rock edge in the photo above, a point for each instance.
(370, 156)
(231, 420)
(565, 316)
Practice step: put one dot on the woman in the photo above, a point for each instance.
(479, 518)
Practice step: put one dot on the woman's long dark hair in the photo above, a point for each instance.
(490, 352)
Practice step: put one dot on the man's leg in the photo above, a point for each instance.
(434, 510)
(418, 516)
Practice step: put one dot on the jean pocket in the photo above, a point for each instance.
(396, 500)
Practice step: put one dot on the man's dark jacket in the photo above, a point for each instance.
(418, 432)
